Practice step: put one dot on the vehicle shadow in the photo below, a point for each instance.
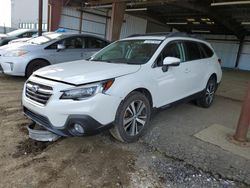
(12, 78)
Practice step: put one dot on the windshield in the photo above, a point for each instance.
(128, 52)
(45, 38)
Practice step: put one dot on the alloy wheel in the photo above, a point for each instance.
(210, 92)
(135, 118)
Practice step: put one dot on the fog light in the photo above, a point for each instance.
(78, 128)
(11, 65)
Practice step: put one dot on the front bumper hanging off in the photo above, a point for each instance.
(41, 134)
(89, 125)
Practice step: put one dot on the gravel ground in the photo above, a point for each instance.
(97, 161)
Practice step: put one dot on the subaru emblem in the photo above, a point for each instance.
(35, 88)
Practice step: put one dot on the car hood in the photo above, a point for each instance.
(81, 72)
(17, 46)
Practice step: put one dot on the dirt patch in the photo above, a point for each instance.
(31, 162)
(23, 128)
(91, 163)
(30, 147)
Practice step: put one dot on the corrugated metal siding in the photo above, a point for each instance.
(244, 62)
(226, 51)
(133, 25)
(227, 46)
(93, 22)
(70, 23)
(99, 24)
(94, 28)
(71, 12)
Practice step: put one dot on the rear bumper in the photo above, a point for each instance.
(89, 124)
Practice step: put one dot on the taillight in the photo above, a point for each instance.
(219, 61)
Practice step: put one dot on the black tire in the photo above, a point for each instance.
(207, 98)
(34, 66)
(134, 128)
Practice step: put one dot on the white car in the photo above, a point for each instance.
(120, 85)
(23, 58)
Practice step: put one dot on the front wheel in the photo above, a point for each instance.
(208, 96)
(132, 118)
(34, 66)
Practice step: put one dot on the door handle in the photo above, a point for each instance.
(187, 70)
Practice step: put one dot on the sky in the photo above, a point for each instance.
(5, 12)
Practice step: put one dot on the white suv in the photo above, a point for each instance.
(120, 85)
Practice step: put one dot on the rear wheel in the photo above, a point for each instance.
(34, 66)
(132, 118)
(208, 96)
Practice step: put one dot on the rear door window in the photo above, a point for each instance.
(73, 43)
(70, 43)
(192, 51)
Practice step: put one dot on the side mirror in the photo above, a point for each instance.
(60, 47)
(170, 61)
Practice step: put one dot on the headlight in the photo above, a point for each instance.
(16, 53)
(87, 91)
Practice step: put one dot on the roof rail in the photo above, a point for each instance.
(167, 34)
(150, 34)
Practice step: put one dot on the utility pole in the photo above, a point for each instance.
(40, 17)
(244, 120)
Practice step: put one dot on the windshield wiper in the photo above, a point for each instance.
(118, 61)
(101, 60)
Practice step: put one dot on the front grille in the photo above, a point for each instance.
(38, 92)
(37, 117)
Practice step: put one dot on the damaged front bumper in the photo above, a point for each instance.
(76, 125)
(42, 135)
